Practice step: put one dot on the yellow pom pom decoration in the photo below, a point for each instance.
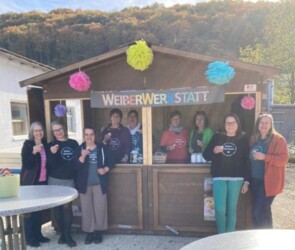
(139, 55)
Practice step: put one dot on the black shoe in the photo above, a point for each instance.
(61, 240)
(43, 239)
(89, 238)
(33, 243)
(97, 237)
(71, 243)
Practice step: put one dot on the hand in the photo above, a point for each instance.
(171, 147)
(124, 159)
(218, 149)
(258, 156)
(5, 171)
(100, 171)
(200, 143)
(84, 153)
(103, 171)
(54, 149)
(107, 137)
(245, 188)
(37, 148)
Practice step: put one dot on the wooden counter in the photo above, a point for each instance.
(145, 199)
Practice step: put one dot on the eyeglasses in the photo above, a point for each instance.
(230, 123)
(37, 130)
(58, 130)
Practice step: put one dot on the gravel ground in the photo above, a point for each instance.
(282, 209)
(119, 242)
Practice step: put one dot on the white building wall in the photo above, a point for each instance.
(12, 71)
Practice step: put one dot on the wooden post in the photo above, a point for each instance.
(47, 118)
(147, 132)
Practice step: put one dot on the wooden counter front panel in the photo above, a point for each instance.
(178, 199)
(125, 204)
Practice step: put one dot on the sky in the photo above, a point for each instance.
(104, 5)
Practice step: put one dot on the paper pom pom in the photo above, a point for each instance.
(60, 110)
(80, 81)
(219, 73)
(139, 56)
(248, 102)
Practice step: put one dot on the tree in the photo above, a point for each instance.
(277, 49)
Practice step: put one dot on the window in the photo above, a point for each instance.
(19, 117)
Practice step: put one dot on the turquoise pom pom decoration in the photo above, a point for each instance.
(219, 73)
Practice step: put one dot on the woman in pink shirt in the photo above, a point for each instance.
(34, 172)
(174, 140)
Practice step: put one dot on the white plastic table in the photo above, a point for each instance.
(264, 239)
(29, 199)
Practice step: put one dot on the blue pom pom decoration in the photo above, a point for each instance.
(219, 73)
(60, 110)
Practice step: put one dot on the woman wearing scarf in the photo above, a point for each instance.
(135, 129)
(174, 140)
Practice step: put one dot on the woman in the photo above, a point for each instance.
(117, 137)
(268, 157)
(61, 172)
(201, 134)
(135, 130)
(34, 172)
(228, 152)
(174, 140)
(93, 163)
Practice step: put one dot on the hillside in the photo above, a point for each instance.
(64, 36)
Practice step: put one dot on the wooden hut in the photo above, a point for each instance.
(153, 198)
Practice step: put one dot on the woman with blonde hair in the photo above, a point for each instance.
(268, 157)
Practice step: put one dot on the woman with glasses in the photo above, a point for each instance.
(93, 162)
(34, 156)
(228, 152)
(268, 157)
(61, 172)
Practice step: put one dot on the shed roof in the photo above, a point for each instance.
(265, 71)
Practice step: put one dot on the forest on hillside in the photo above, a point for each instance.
(64, 36)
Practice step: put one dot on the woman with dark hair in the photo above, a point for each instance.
(117, 137)
(93, 164)
(61, 173)
(135, 130)
(201, 134)
(174, 140)
(34, 172)
(268, 157)
(228, 152)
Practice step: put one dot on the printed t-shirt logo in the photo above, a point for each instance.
(179, 141)
(114, 144)
(67, 153)
(229, 149)
(92, 157)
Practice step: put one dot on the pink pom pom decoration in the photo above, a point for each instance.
(248, 102)
(80, 81)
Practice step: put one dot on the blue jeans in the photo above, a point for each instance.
(226, 196)
(261, 205)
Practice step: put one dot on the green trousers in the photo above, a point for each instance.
(226, 196)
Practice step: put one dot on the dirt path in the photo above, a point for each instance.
(284, 204)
